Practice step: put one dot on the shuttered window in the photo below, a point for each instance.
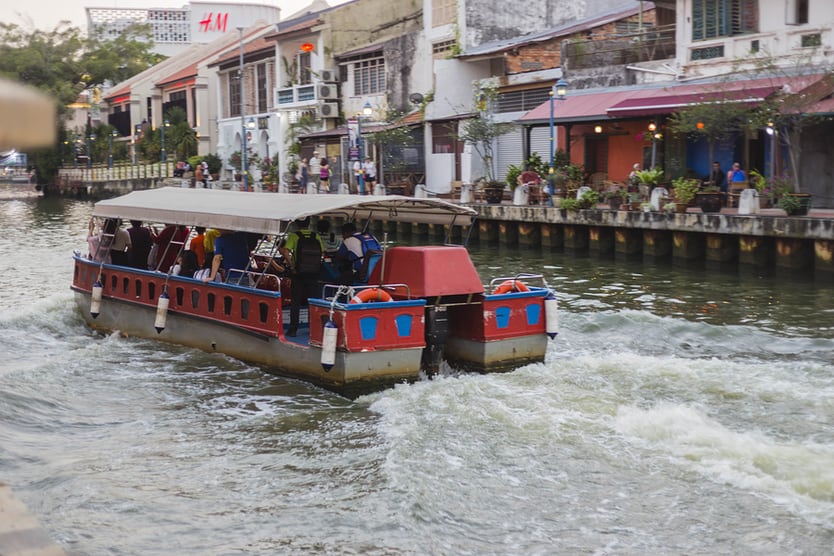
(723, 18)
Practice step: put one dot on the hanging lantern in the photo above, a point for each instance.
(307, 47)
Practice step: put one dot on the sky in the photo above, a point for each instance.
(46, 14)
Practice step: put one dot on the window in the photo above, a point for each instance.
(368, 77)
(797, 12)
(234, 94)
(442, 49)
(443, 138)
(305, 75)
(708, 52)
(724, 18)
(515, 101)
(263, 93)
(811, 40)
(442, 12)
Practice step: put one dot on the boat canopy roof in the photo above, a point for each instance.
(270, 213)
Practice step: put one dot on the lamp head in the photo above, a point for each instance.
(367, 109)
(652, 126)
(561, 89)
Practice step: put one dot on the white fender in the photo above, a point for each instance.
(551, 315)
(330, 334)
(95, 300)
(162, 312)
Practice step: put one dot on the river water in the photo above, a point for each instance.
(680, 411)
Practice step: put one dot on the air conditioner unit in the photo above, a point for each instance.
(329, 110)
(328, 76)
(327, 91)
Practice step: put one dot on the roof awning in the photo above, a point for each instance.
(579, 108)
(269, 213)
(668, 101)
(634, 102)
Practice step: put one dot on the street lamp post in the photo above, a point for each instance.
(558, 91)
(773, 133)
(113, 134)
(90, 139)
(163, 156)
(652, 130)
(367, 109)
(244, 163)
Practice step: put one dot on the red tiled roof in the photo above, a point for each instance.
(250, 47)
(301, 26)
(188, 72)
(113, 93)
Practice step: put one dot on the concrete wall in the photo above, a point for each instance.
(490, 20)
(779, 41)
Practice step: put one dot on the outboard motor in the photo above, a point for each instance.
(437, 331)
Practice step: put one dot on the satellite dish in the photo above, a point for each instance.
(415, 98)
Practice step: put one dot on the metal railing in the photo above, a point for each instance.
(653, 43)
(119, 171)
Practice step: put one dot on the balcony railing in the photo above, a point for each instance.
(655, 43)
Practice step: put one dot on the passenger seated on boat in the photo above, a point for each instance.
(359, 253)
(186, 264)
(302, 250)
(231, 253)
(98, 243)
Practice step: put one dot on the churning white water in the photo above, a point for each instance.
(680, 411)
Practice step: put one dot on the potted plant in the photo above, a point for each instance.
(650, 177)
(569, 203)
(709, 199)
(795, 204)
(589, 199)
(685, 189)
(759, 183)
(513, 172)
(615, 197)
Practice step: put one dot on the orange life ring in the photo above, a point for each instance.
(511, 285)
(370, 295)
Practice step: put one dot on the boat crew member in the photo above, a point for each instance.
(302, 250)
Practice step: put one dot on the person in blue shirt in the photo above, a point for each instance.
(736, 178)
(355, 253)
(231, 253)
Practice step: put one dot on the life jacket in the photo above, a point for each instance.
(371, 249)
(307, 253)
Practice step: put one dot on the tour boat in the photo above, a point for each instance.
(422, 305)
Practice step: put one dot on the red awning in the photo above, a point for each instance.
(579, 107)
(668, 101)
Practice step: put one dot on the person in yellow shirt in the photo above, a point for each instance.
(208, 242)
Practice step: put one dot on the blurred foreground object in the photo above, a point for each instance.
(27, 117)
